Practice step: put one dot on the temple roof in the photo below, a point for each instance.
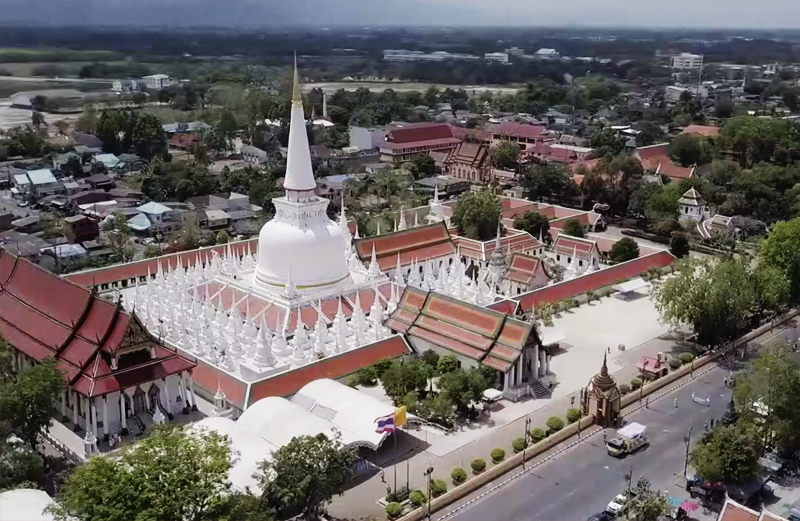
(415, 244)
(603, 381)
(43, 315)
(481, 334)
(569, 245)
(523, 268)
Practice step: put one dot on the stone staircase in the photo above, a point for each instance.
(538, 390)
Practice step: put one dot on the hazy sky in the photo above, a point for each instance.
(627, 13)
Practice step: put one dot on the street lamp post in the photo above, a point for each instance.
(525, 440)
(428, 474)
(687, 439)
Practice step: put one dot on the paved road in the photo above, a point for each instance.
(582, 481)
(8, 204)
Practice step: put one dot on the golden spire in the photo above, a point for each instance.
(296, 95)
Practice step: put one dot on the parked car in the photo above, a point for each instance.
(603, 516)
(616, 505)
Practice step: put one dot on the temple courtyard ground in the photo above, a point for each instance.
(588, 331)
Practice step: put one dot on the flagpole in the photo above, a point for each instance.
(395, 461)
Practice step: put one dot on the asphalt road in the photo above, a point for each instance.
(582, 481)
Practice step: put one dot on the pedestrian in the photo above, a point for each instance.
(712, 424)
(383, 479)
(604, 436)
(647, 403)
(609, 349)
(675, 402)
(705, 426)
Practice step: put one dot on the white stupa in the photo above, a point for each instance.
(300, 237)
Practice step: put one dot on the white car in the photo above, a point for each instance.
(616, 504)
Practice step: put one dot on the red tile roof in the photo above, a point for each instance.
(445, 142)
(505, 306)
(512, 128)
(594, 281)
(131, 270)
(420, 133)
(568, 245)
(43, 315)
(523, 268)
(656, 158)
(733, 511)
(470, 154)
(183, 140)
(333, 367)
(422, 243)
(702, 130)
(475, 134)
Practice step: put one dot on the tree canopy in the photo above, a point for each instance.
(726, 454)
(476, 215)
(505, 155)
(574, 228)
(646, 504)
(171, 474)
(690, 150)
(305, 474)
(548, 182)
(781, 250)
(624, 250)
(534, 223)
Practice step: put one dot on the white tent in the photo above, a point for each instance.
(278, 420)
(25, 504)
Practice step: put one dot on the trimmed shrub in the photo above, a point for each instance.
(498, 455)
(636, 383)
(674, 363)
(400, 496)
(554, 424)
(458, 476)
(394, 510)
(573, 415)
(538, 435)
(478, 465)
(624, 389)
(686, 357)
(417, 498)
(518, 444)
(381, 367)
(367, 376)
(438, 487)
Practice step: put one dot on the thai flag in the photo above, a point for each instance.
(385, 423)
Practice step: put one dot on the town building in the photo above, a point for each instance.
(129, 85)
(38, 183)
(547, 54)
(367, 138)
(79, 228)
(254, 155)
(692, 207)
(524, 135)
(496, 57)
(655, 159)
(576, 254)
(405, 143)
(403, 55)
(157, 81)
(470, 162)
(687, 60)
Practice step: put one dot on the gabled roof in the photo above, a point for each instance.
(471, 154)
(569, 245)
(656, 159)
(523, 268)
(153, 208)
(481, 334)
(420, 133)
(415, 244)
(43, 315)
(512, 128)
(692, 198)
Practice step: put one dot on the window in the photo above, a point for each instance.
(569, 260)
(558, 257)
(580, 263)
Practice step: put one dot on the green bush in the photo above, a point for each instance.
(686, 357)
(624, 389)
(538, 435)
(636, 383)
(438, 487)
(447, 364)
(555, 424)
(674, 363)
(399, 496)
(573, 415)
(367, 376)
(381, 367)
(498, 455)
(394, 510)
(519, 444)
(478, 465)
(458, 476)
(417, 498)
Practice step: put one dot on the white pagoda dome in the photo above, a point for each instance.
(301, 244)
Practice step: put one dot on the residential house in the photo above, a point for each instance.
(496, 57)
(655, 158)
(254, 155)
(22, 245)
(129, 85)
(80, 228)
(130, 163)
(524, 135)
(157, 81)
(236, 206)
(75, 201)
(110, 161)
(29, 224)
(101, 182)
(183, 141)
(84, 149)
(91, 142)
(405, 143)
(40, 182)
(214, 219)
(470, 162)
(547, 54)
(154, 217)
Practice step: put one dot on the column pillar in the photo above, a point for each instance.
(507, 379)
(94, 417)
(165, 388)
(191, 388)
(184, 385)
(181, 390)
(75, 425)
(147, 399)
(520, 370)
(547, 363)
(64, 406)
(122, 418)
(535, 363)
(541, 362)
(87, 414)
(105, 418)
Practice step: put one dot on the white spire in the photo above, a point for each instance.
(264, 356)
(374, 269)
(416, 219)
(403, 225)
(398, 272)
(436, 193)
(378, 226)
(299, 173)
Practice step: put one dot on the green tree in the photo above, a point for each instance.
(476, 215)
(401, 378)
(689, 150)
(505, 155)
(424, 166)
(152, 251)
(679, 245)
(447, 364)
(605, 142)
(305, 474)
(624, 250)
(534, 223)
(782, 251)
(222, 237)
(73, 167)
(714, 297)
(548, 182)
(772, 288)
(20, 466)
(147, 136)
(649, 133)
(723, 109)
(172, 474)
(119, 239)
(28, 404)
(662, 203)
(646, 504)
(463, 388)
(574, 228)
(726, 454)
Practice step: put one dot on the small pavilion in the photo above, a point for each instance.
(602, 398)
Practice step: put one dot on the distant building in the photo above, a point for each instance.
(80, 228)
(128, 85)
(157, 81)
(515, 51)
(403, 55)
(41, 182)
(692, 207)
(367, 138)
(526, 136)
(686, 60)
(496, 57)
(404, 144)
(254, 155)
(547, 54)
(470, 162)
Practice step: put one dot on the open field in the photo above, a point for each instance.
(13, 54)
(69, 68)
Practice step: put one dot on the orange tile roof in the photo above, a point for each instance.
(415, 244)
(523, 268)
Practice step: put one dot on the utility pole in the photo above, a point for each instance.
(688, 441)
(525, 440)
(428, 473)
